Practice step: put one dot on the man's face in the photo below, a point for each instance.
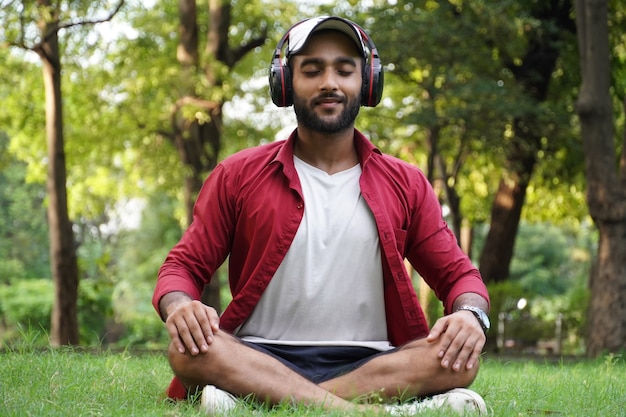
(327, 79)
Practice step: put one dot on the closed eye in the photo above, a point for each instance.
(344, 66)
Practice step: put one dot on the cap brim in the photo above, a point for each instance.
(300, 34)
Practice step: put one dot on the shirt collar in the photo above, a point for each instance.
(364, 148)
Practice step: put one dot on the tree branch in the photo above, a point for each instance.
(244, 49)
(39, 44)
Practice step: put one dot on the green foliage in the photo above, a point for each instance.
(137, 255)
(504, 297)
(549, 271)
(23, 226)
(26, 305)
(452, 92)
(94, 310)
(26, 308)
(141, 325)
(550, 260)
(444, 73)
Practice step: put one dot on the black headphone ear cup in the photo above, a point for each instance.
(373, 79)
(280, 84)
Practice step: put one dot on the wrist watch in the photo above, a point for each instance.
(480, 315)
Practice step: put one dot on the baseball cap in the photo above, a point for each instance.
(301, 32)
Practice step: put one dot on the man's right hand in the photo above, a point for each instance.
(190, 323)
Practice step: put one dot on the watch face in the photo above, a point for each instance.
(485, 319)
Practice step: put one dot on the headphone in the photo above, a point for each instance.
(281, 89)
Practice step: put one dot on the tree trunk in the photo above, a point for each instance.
(198, 140)
(439, 177)
(62, 248)
(607, 309)
(605, 188)
(467, 237)
(506, 211)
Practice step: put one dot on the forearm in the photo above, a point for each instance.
(471, 299)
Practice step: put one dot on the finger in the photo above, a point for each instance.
(437, 330)
(183, 325)
(179, 330)
(208, 321)
(450, 345)
(464, 354)
(475, 356)
(199, 330)
(210, 318)
(184, 333)
(178, 343)
(214, 319)
(471, 343)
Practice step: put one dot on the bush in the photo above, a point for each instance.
(537, 320)
(26, 308)
(134, 311)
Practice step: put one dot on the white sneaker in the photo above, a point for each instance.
(460, 400)
(216, 402)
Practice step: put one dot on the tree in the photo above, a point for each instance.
(445, 90)
(189, 82)
(606, 183)
(45, 19)
(197, 119)
(551, 21)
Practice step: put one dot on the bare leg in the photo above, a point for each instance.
(412, 371)
(234, 367)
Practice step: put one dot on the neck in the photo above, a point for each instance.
(331, 153)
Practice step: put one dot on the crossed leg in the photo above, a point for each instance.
(414, 370)
(241, 370)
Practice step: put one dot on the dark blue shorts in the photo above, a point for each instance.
(319, 363)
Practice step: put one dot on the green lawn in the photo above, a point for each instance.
(74, 383)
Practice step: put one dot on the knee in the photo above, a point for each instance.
(467, 376)
(184, 366)
(439, 378)
(199, 369)
(463, 378)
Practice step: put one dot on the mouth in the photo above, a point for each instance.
(328, 101)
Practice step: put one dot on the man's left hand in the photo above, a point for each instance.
(461, 339)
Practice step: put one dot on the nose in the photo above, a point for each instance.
(329, 80)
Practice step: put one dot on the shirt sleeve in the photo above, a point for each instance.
(433, 251)
(204, 246)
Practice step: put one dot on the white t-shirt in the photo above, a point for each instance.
(329, 288)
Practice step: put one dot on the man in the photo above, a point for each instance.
(316, 229)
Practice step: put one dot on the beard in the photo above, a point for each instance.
(310, 120)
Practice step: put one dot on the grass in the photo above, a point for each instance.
(69, 382)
